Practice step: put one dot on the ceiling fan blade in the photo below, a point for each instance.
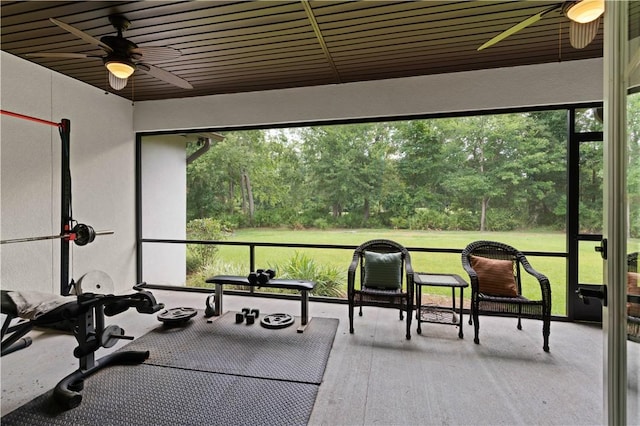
(61, 55)
(520, 26)
(81, 34)
(163, 75)
(580, 35)
(153, 54)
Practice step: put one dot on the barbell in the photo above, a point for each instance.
(80, 234)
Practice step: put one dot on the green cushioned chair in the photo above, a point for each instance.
(385, 279)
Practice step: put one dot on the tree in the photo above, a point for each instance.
(345, 165)
(500, 161)
(633, 168)
(421, 161)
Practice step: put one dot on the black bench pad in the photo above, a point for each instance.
(273, 283)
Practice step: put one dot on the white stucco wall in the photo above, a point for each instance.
(164, 208)
(102, 169)
(545, 84)
(103, 152)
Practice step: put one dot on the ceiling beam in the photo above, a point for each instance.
(316, 30)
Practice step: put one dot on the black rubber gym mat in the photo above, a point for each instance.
(223, 346)
(153, 395)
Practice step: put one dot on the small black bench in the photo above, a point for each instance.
(303, 286)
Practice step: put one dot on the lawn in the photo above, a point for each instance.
(237, 257)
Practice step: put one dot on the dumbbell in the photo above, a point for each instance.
(249, 314)
(250, 319)
(263, 276)
(240, 316)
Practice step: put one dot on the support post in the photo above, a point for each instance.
(65, 204)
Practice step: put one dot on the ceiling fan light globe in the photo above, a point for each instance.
(586, 11)
(120, 69)
(117, 83)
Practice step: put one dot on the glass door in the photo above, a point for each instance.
(584, 224)
(633, 197)
(633, 249)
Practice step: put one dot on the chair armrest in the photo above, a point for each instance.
(473, 276)
(351, 273)
(409, 276)
(545, 286)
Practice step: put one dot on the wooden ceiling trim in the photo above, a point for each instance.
(320, 38)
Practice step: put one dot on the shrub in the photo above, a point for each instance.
(199, 255)
(329, 280)
(194, 263)
(462, 220)
(501, 220)
(399, 222)
(425, 219)
(212, 268)
(321, 224)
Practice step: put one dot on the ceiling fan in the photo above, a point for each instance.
(122, 57)
(584, 20)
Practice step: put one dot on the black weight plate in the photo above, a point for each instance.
(276, 321)
(177, 315)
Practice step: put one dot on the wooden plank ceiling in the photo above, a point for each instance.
(230, 47)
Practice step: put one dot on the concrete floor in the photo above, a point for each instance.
(376, 376)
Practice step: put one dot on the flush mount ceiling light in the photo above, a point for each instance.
(585, 11)
(119, 67)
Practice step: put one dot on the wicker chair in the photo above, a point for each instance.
(494, 301)
(633, 309)
(360, 295)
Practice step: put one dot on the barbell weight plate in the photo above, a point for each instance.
(177, 315)
(110, 335)
(85, 234)
(95, 282)
(277, 321)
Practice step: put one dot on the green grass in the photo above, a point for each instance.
(554, 268)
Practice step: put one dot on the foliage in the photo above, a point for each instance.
(213, 267)
(199, 255)
(329, 280)
(487, 172)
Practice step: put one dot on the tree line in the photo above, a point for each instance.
(488, 172)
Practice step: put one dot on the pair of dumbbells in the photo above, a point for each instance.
(261, 276)
(250, 315)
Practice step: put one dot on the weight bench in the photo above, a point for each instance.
(84, 316)
(304, 287)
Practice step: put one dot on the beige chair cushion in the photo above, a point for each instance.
(495, 277)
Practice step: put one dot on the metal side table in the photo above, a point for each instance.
(436, 314)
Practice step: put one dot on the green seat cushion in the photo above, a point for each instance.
(382, 270)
